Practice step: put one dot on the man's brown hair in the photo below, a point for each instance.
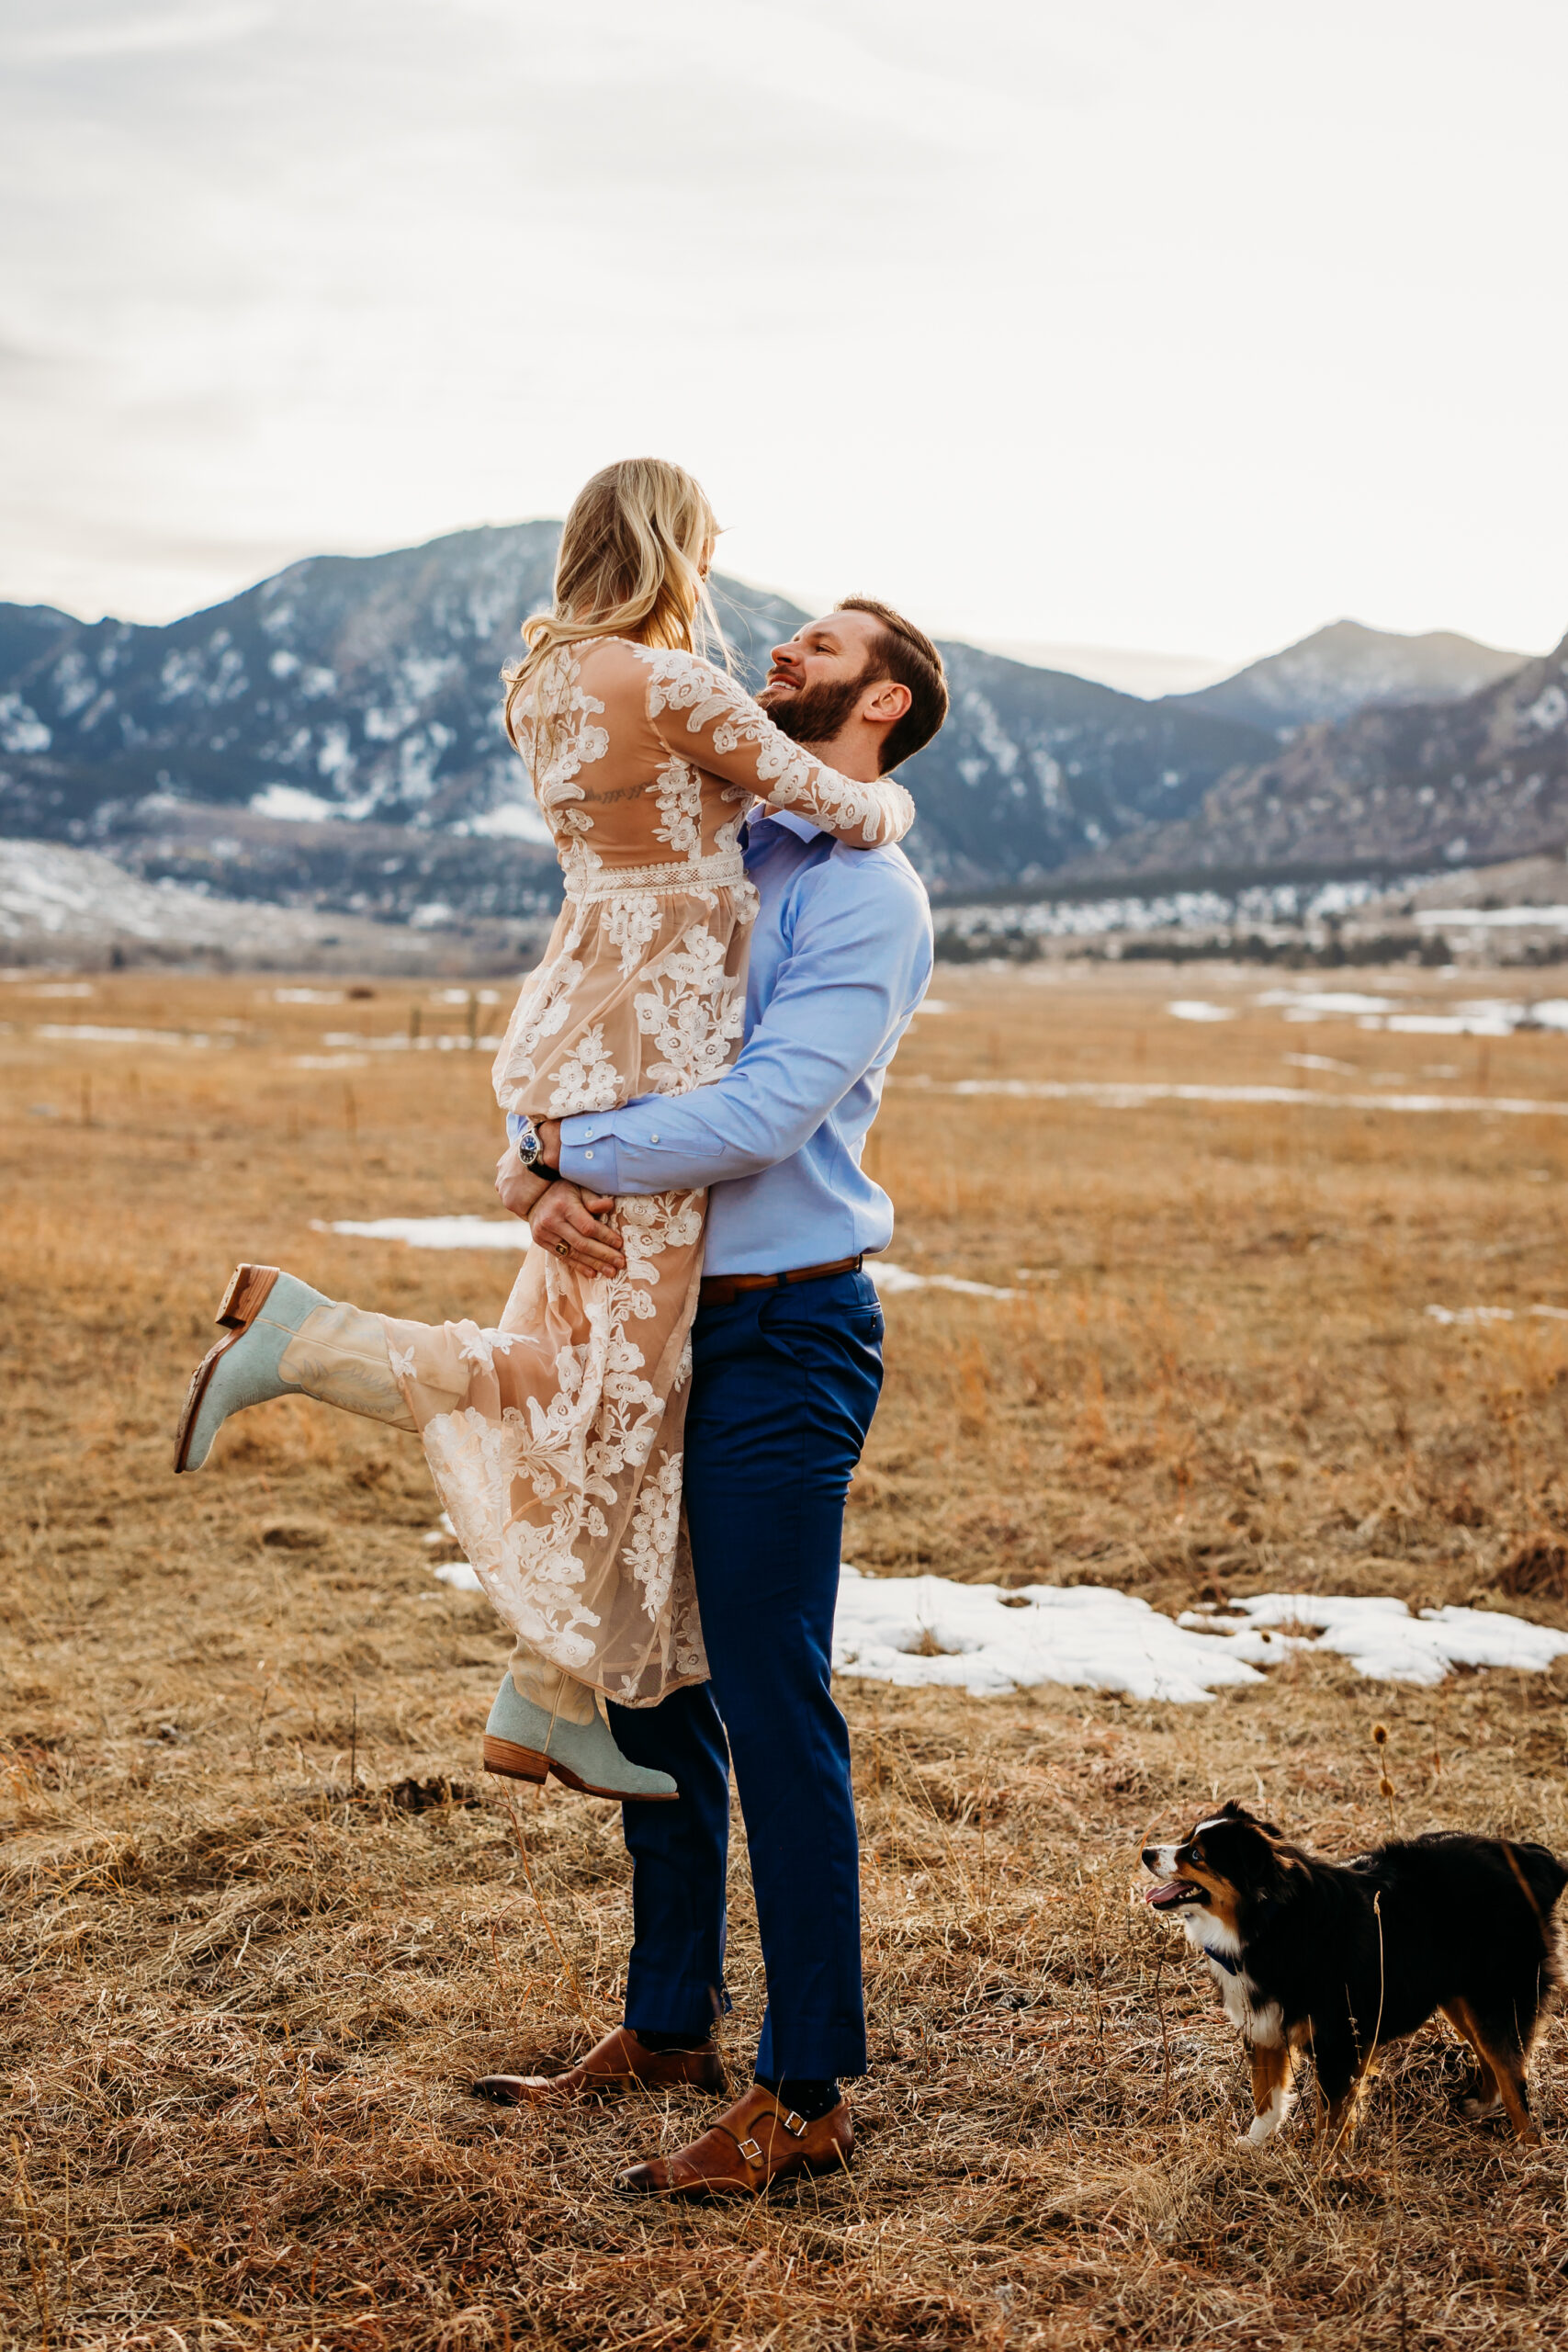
(907, 655)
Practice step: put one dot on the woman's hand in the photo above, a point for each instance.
(519, 1190)
(572, 1224)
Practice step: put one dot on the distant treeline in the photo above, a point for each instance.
(1331, 953)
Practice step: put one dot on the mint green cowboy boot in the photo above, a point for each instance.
(285, 1339)
(561, 1730)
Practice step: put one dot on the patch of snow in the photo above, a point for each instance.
(306, 996)
(514, 821)
(86, 1033)
(1119, 1096)
(1493, 918)
(397, 1043)
(292, 804)
(916, 1631)
(459, 1576)
(1474, 1314)
(1193, 1008)
(925, 1629)
(21, 728)
(1379, 1636)
(435, 1232)
(1476, 1023)
(1320, 1061)
(1315, 1004)
(892, 1281)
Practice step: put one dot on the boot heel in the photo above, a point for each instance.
(246, 1296)
(514, 1763)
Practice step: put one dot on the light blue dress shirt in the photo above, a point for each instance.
(840, 957)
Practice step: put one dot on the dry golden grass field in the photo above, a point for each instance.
(266, 1918)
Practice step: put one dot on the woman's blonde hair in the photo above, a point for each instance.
(633, 562)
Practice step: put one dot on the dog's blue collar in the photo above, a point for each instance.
(1221, 1960)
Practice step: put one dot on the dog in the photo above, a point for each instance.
(1336, 1960)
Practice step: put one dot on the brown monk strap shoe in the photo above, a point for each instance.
(618, 2062)
(757, 2142)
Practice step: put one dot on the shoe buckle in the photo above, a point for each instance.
(751, 2151)
(795, 2124)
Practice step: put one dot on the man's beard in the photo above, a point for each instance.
(816, 714)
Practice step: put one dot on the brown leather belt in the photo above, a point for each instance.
(723, 1290)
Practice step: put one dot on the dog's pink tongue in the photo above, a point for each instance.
(1172, 1891)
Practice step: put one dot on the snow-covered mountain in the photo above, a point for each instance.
(332, 739)
(1344, 668)
(242, 746)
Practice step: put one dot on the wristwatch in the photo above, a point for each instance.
(530, 1152)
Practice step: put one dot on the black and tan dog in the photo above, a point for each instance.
(1335, 1960)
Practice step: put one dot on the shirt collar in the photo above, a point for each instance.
(801, 827)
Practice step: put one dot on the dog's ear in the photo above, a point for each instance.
(1232, 1811)
(1258, 1867)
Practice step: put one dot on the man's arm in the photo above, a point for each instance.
(859, 959)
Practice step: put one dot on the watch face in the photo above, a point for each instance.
(529, 1143)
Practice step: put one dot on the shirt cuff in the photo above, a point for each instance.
(588, 1156)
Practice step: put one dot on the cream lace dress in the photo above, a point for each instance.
(555, 1438)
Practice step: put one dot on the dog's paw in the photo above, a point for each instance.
(1262, 2130)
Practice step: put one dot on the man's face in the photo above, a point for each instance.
(817, 676)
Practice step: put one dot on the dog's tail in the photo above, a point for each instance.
(1541, 1879)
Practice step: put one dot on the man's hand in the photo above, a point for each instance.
(576, 1220)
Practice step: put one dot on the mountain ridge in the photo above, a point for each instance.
(1345, 667)
(331, 737)
(1478, 781)
(366, 689)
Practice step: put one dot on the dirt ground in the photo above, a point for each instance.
(265, 1917)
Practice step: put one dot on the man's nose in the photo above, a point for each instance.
(785, 657)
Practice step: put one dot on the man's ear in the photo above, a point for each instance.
(884, 703)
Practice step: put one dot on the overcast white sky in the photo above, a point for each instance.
(1184, 324)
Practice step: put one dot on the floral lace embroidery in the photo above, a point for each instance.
(573, 741)
(649, 1552)
(786, 775)
(678, 788)
(633, 920)
(588, 1079)
(694, 1011)
(541, 1012)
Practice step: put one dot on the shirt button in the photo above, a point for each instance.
(588, 1155)
(653, 1139)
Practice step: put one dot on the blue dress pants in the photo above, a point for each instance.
(784, 1385)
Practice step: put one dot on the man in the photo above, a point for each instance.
(786, 1368)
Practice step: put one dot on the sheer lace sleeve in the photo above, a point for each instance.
(704, 717)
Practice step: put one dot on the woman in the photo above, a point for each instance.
(555, 1438)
